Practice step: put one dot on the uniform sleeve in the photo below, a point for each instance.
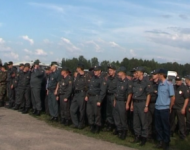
(69, 88)
(3, 78)
(39, 73)
(103, 90)
(171, 89)
(186, 92)
(149, 88)
(129, 88)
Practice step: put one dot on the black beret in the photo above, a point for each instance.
(129, 73)
(36, 62)
(122, 69)
(12, 72)
(10, 63)
(97, 68)
(133, 70)
(65, 69)
(80, 65)
(140, 69)
(178, 78)
(47, 68)
(163, 71)
(110, 66)
(21, 65)
(27, 65)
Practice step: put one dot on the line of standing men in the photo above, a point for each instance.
(150, 99)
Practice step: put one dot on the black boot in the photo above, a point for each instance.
(62, 121)
(21, 109)
(56, 119)
(1, 103)
(67, 122)
(137, 139)
(115, 132)
(38, 113)
(81, 126)
(34, 111)
(10, 105)
(16, 107)
(92, 128)
(25, 111)
(165, 146)
(159, 145)
(119, 133)
(143, 141)
(97, 129)
(123, 135)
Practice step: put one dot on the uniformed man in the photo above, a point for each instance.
(187, 80)
(154, 81)
(163, 106)
(78, 102)
(179, 107)
(64, 90)
(54, 78)
(96, 94)
(121, 102)
(18, 86)
(142, 90)
(111, 91)
(3, 78)
(10, 91)
(36, 83)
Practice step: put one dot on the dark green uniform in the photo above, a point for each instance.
(188, 116)
(36, 83)
(23, 90)
(111, 91)
(64, 92)
(141, 88)
(78, 102)
(151, 107)
(96, 93)
(54, 78)
(124, 88)
(3, 78)
(181, 94)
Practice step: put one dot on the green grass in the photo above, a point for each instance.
(176, 143)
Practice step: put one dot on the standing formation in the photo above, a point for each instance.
(120, 101)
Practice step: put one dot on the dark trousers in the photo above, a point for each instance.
(181, 121)
(52, 104)
(120, 115)
(23, 97)
(151, 126)
(78, 109)
(93, 111)
(109, 109)
(140, 119)
(46, 105)
(2, 94)
(36, 98)
(162, 125)
(65, 108)
(188, 119)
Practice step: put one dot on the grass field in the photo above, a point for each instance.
(176, 143)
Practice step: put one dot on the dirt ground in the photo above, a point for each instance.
(24, 132)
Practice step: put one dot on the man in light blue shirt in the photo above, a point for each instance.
(163, 106)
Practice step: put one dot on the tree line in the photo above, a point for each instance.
(149, 65)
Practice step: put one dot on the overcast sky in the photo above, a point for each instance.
(107, 29)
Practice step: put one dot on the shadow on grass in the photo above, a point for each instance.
(176, 143)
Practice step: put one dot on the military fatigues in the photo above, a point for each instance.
(124, 88)
(3, 78)
(64, 92)
(111, 91)
(36, 83)
(141, 88)
(181, 94)
(54, 78)
(188, 116)
(10, 81)
(96, 93)
(151, 107)
(23, 90)
(78, 102)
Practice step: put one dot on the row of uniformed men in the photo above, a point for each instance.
(139, 95)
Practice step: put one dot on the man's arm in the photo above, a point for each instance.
(172, 102)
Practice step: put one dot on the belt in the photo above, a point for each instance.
(78, 91)
(139, 101)
(92, 95)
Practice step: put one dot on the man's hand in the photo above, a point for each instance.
(55, 93)
(47, 92)
(65, 99)
(131, 109)
(12, 86)
(57, 98)
(114, 103)
(86, 98)
(146, 109)
(98, 104)
(183, 111)
(127, 106)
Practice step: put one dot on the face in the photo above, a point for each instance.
(120, 75)
(75, 74)
(135, 74)
(178, 83)
(187, 81)
(111, 72)
(10, 66)
(53, 68)
(21, 68)
(155, 76)
(26, 69)
(139, 73)
(63, 72)
(97, 73)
